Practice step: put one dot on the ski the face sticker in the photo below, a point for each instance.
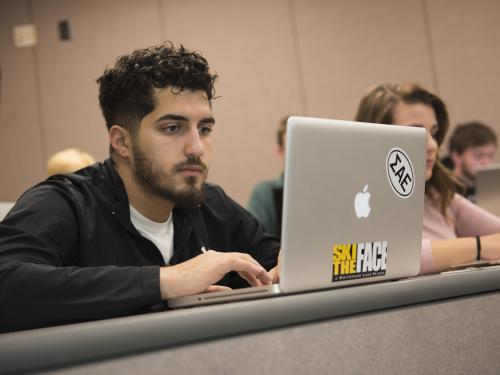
(359, 260)
(400, 173)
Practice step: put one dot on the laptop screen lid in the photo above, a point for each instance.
(487, 188)
(353, 203)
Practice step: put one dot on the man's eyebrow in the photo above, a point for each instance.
(172, 116)
(207, 120)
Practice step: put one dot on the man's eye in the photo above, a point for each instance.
(205, 130)
(171, 129)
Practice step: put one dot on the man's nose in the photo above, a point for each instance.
(194, 145)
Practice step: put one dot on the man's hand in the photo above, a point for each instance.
(275, 272)
(199, 273)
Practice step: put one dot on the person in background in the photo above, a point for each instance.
(472, 146)
(455, 231)
(68, 161)
(122, 236)
(266, 199)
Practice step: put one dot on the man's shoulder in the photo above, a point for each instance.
(93, 174)
(85, 182)
(264, 185)
(72, 182)
(269, 185)
(263, 188)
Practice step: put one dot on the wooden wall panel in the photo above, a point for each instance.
(466, 39)
(21, 155)
(347, 46)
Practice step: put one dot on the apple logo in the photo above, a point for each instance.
(362, 204)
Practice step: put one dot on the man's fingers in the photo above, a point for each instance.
(246, 266)
(246, 257)
(265, 277)
(260, 278)
(275, 274)
(251, 271)
(252, 280)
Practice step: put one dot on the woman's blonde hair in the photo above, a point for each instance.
(378, 106)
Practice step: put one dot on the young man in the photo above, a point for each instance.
(472, 146)
(120, 237)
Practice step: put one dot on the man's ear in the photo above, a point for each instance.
(456, 158)
(120, 141)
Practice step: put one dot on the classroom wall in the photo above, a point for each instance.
(274, 57)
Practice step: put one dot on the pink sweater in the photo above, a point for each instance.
(465, 220)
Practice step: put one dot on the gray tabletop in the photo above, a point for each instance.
(57, 347)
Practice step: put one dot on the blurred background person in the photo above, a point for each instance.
(454, 231)
(266, 200)
(472, 146)
(68, 161)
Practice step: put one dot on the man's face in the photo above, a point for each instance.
(475, 158)
(171, 149)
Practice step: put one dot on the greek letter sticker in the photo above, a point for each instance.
(400, 173)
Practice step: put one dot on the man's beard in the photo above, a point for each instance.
(150, 176)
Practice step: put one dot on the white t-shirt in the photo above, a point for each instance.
(161, 234)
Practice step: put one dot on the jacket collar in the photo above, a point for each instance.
(117, 195)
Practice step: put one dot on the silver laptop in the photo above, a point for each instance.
(488, 189)
(352, 208)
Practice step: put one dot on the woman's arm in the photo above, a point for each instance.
(469, 221)
(447, 253)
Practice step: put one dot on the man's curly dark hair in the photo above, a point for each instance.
(126, 90)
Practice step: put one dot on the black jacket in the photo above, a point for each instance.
(69, 252)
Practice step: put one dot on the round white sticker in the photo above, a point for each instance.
(400, 172)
